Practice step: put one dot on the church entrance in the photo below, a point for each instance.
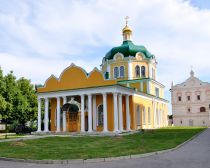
(72, 115)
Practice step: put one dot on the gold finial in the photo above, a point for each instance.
(191, 67)
(126, 20)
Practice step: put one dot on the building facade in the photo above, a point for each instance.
(124, 95)
(191, 102)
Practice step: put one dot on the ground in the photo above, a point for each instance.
(194, 154)
(59, 148)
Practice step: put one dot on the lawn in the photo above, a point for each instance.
(60, 148)
(9, 136)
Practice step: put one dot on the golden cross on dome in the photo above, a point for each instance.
(126, 20)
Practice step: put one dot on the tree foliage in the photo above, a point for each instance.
(18, 100)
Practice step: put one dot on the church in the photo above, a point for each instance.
(191, 102)
(123, 95)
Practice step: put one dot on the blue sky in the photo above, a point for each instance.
(40, 38)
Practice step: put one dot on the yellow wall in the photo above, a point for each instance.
(75, 77)
(110, 112)
(118, 64)
(53, 105)
(134, 64)
(144, 103)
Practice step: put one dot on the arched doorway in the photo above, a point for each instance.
(72, 117)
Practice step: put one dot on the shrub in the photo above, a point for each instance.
(22, 129)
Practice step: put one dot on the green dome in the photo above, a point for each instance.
(128, 49)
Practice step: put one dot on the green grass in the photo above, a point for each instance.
(57, 148)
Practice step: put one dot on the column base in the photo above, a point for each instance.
(105, 131)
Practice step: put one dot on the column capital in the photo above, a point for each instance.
(89, 94)
(104, 94)
(115, 93)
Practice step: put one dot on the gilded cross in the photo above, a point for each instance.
(126, 20)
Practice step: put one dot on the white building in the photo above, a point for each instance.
(191, 102)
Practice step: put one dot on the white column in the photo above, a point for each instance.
(46, 115)
(94, 112)
(82, 113)
(120, 113)
(116, 127)
(58, 115)
(39, 115)
(105, 112)
(90, 129)
(64, 114)
(128, 126)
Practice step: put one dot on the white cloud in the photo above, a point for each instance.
(38, 69)
(53, 34)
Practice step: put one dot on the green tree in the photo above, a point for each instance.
(2, 90)
(9, 95)
(25, 102)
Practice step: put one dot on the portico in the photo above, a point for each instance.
(87, 101)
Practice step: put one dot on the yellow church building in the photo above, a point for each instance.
(123, 96)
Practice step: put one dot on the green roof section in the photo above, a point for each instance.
(128, 49)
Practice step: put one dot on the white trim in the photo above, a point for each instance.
(86, 91)
(122, 56)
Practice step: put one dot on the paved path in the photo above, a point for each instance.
(195, 154)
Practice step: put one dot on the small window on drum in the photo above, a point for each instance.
(116, 72)
(137, 70)
(122, 71)
(143, 71)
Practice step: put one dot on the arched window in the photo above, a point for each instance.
(202, 109)
(138, 115)
(143, 73)
(116, 72)
(100, 115)
(137, 70)
(122, 72)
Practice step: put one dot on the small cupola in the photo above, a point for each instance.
(127, 31)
